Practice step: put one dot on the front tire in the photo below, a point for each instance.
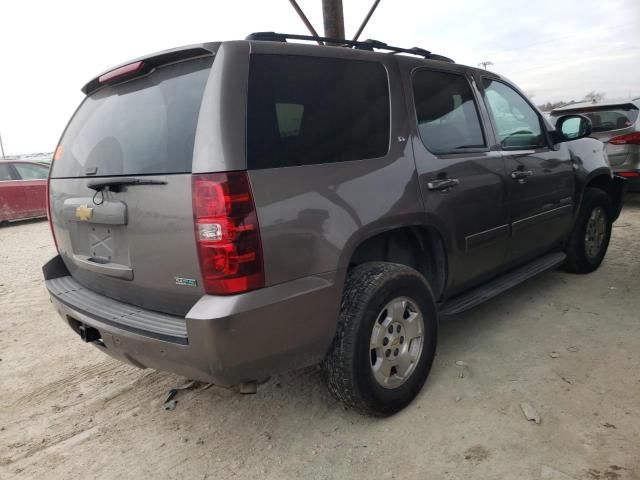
(591, 233)
(385, 341)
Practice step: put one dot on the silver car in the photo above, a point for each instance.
(617, 125)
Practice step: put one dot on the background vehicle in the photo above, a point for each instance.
(617, 125)
(23, 188)
(231, 210)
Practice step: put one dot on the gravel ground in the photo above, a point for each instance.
(68, 411)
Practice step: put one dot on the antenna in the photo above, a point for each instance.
(2, 149)
(485, 64)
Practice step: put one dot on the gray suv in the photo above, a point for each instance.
(617, 125)
(228, 211)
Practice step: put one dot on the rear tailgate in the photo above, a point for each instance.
(132, 242)
(620, 155)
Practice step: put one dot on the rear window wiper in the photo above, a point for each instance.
(117, 184)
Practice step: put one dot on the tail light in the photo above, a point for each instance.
(227, 233)
(628, 174)
(627, 139)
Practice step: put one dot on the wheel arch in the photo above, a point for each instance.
(420, 247)
(601, 180)
(613, 186)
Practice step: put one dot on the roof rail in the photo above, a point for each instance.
(358, 45)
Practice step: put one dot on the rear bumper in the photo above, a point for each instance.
(633, 184)
(227, 340)
(632, 179)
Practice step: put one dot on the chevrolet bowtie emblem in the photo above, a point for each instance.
(84, 213)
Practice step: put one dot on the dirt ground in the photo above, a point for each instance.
(68, 411)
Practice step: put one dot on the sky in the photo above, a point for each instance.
(554, 50)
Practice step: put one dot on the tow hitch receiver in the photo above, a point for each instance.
(89, 334)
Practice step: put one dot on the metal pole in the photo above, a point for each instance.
(333, 18)
(366, 19)
(304, 19)
(2, 148)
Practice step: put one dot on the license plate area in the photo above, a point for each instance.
(99, 236)
(102, 244)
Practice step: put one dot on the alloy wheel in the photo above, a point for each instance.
(396, 342)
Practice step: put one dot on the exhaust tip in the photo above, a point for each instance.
(89, 334)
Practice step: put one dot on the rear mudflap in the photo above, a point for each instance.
(617, 195)
(55, 268)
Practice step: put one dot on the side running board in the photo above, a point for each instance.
(500, 284)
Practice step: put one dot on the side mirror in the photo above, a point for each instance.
(572, 127)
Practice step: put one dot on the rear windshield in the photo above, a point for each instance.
(144, 126)
(306, 110)
(604, 119)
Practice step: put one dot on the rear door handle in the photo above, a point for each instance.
(521, 174)
(442, 183)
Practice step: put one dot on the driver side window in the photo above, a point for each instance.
(517, 123)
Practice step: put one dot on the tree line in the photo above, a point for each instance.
(592, 96)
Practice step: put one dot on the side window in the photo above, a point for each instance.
(31, 172)
(5, 172)
(306, 110)
(446, 112)
(518, 124)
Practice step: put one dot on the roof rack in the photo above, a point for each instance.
(340, 42)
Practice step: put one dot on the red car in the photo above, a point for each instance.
(23, 188)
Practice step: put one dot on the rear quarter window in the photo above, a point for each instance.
(308, 110)
(143, 126)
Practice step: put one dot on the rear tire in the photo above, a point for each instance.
(385, 341)
(591, 233)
